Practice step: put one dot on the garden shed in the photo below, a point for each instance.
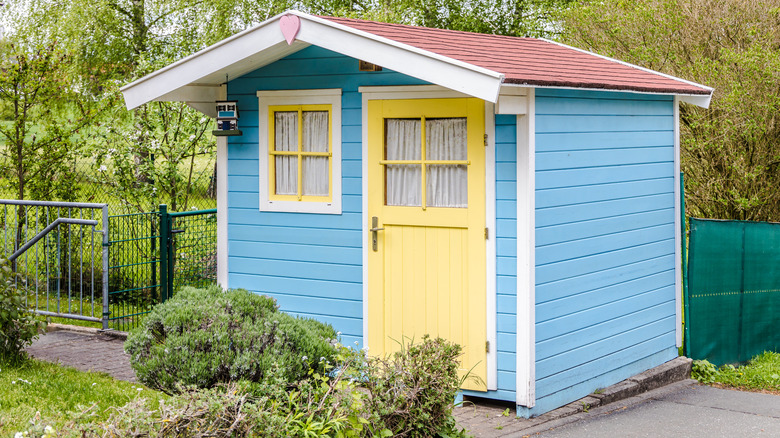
(514, 195)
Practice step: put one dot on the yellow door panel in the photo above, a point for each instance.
(427, 275)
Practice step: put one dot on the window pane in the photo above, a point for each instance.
(286, 131)
(403, 139)
(445, 139)
(315, 176)
(315, 131)
(403, 181)
(286, 175)
(403, 184)
(446, 186)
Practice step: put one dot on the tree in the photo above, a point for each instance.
(730, 151)
(38, 122)
(501, 17)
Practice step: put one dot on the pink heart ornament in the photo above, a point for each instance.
(290, 25)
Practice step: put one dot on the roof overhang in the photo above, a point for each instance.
(197, 79)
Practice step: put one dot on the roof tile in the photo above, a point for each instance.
(527, 60)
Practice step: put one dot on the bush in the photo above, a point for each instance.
(413, 391)
(18, 326)
(704, 371)
(204, 337)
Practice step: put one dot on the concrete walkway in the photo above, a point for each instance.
(88, 350)
(684, 409)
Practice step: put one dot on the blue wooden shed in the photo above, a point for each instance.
(514, 195)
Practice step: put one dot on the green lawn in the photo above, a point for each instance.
(60, 394)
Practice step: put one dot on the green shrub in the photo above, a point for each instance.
(203, 337)
(18, 326)
(412, 391)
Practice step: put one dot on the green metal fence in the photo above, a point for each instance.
(732, 297)
(154, 254)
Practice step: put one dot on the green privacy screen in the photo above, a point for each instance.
(733, 298)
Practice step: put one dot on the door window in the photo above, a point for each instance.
(436, 173)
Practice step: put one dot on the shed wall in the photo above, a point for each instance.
(605, 296)
(312, 263)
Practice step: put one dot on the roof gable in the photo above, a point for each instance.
(474, 64)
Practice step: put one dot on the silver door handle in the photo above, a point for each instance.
(374, 229)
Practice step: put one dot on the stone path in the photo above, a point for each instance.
(84, 350)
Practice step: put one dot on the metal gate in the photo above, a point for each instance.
(58, 251)
(74, 261)
(154, 254)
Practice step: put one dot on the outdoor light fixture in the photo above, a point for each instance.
(227, 119)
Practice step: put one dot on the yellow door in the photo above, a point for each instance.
(426, 189)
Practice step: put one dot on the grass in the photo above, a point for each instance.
(60, 394)
(762, 373)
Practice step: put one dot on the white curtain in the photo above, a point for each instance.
(315, 139)
(403, 181)
(446, 185)
(286, 139)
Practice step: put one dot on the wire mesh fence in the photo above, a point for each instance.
(189, 186)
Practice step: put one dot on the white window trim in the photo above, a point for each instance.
(330, 96)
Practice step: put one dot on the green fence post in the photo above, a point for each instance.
(165, 239)
(684, 233)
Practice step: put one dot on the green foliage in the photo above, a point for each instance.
(729, 151)
(351, 397)
(412, 391)
(37, 394)
(39, 120)
(704, 371)
(500, 17)
(18, 326)
(760, 373)
(204, 337)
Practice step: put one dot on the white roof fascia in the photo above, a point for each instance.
(264, 43)
(702, 100)
(695, 102)
(409, 60)
(245, 51)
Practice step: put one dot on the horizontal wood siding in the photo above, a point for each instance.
(604, 240)
(310, 263)
(506, 257)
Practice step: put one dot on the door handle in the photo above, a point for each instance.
(374, 229)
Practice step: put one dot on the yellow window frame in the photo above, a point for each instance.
(299, 153)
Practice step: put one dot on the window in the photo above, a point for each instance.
(436, 173)
(300, 151)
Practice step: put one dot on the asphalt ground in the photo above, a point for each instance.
(682, 409)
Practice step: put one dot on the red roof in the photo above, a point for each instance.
(528, 60)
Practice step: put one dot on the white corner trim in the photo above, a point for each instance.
(364, 214)
(330, 96)
(490, 247)
(222, 205)
(526, 255)
(677, 227)
(696, 99)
